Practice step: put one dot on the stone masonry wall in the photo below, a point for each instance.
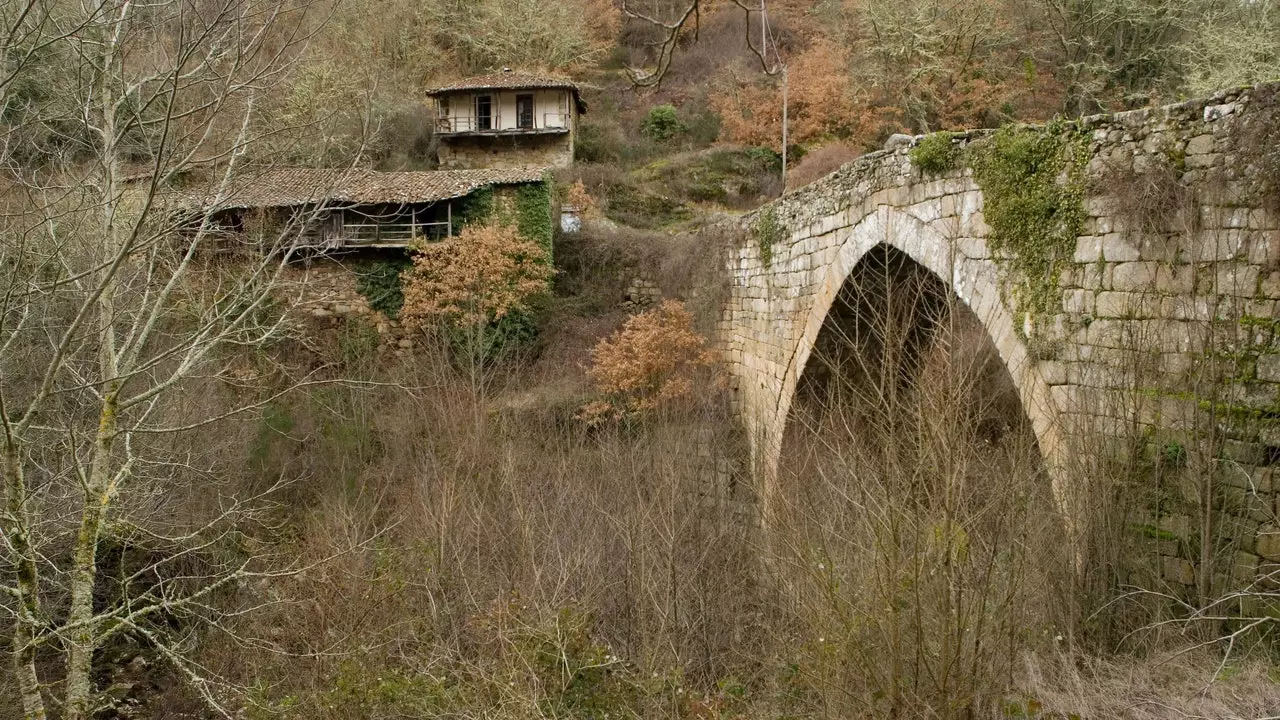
(1165, 342)
(323, 293)
(504, 151)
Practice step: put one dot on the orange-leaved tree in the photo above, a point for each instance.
(472, 286)
(650, 363)
(478, 277)
(822, 101)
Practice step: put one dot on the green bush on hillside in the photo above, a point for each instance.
(662, 123)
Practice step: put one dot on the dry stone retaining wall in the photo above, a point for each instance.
(1163, 335)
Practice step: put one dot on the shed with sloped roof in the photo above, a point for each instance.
(333, 209)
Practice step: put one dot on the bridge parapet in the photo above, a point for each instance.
(1161, 328)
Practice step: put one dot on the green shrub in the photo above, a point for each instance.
(936, 154)
(379, 282)
(596, 143)
(662, 123)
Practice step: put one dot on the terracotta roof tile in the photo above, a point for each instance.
(506, 80)
(286, 187)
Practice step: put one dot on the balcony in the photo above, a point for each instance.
(552, 123)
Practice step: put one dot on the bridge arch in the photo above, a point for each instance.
(969, 274)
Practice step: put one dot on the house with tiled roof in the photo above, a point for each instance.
(507, 119)
(353, 209)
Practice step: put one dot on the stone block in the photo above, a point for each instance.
(1079, 302)
(1200, 145)
(1123, 304)
(1177, 570)
(1268, 545)
(1088, 249)
(1186, 307)
(1175, 279)
(1197, 162)
(1238, 280)
(1244, 569)
(1134, 276)
(1176, 366)
(1269, 368)
(1053, 372)
(1264, 250)
(1117, 247)
(1270, 286)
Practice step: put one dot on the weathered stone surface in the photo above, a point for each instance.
(1143, 320)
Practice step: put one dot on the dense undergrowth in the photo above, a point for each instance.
(490, 555)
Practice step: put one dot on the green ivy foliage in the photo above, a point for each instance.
(379, 282)
(476, 207)
(1032, 181)
(936, 154)
(533, 214)
(768, 232)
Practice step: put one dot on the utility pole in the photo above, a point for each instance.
(784, 127)
(764, 56)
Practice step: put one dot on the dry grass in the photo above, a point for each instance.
(1166, 686)
(817, 164)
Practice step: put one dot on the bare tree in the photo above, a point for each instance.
(685, 19)
(113, 322)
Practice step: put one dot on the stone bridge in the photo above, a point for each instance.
(1185, 283)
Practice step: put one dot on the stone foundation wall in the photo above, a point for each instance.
(1163, 351)
(323, 293)
(505, 151)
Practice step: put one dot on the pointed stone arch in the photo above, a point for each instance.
(963, 266)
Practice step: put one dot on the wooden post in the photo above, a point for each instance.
(449, 217)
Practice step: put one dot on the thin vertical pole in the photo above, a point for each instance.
(784, 126)
(449, 217)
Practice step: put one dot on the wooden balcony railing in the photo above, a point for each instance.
(550, 121)
(370, 234)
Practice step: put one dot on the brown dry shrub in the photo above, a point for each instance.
(1152, 200)
(819, 163)
(477, 277)
(578, 197)
(821, 103)
(652, 362)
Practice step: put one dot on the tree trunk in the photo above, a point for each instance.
(28, 605)
(98, 496)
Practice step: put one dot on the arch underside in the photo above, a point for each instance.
(972, 277)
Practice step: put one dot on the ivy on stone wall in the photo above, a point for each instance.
(1033, 186)
(768, 232)
(936, 154)
(476, 207)
(533, 213)
(379, 282)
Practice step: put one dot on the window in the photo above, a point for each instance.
(524, 112)
(484, 112)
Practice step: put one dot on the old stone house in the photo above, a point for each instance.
(507, 119)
